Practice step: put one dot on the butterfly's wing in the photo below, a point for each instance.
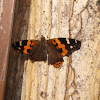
(65, 46)
(59, 47)
(25, 46)
(70, 45)
(54, 57)
(31, 47)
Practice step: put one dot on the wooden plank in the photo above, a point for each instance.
(6, 18)
(79, 76)
(45, 83)
(15, 73)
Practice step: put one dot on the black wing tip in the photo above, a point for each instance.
(15, 47)
(78, 45)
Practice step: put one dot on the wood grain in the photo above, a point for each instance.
(78, 78)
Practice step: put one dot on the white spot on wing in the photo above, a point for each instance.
(19, 48)
(67, 41)
(20, 43)
(71, 47)
(75, 41)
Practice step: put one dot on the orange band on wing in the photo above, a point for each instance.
(62, 46)
(57, 64)
(28, 46)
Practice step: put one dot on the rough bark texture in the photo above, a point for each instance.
(78, 78)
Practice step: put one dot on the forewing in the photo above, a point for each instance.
(65, 46)
(25, 46)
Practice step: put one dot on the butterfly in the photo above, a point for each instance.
(56, 49)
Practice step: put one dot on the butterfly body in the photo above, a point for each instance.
(39, 51)
(56, 49)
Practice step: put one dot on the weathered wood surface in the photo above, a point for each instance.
(78, 78)
(6, 19)
(15, 65)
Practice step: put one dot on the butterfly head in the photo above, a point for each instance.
(43, 42)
